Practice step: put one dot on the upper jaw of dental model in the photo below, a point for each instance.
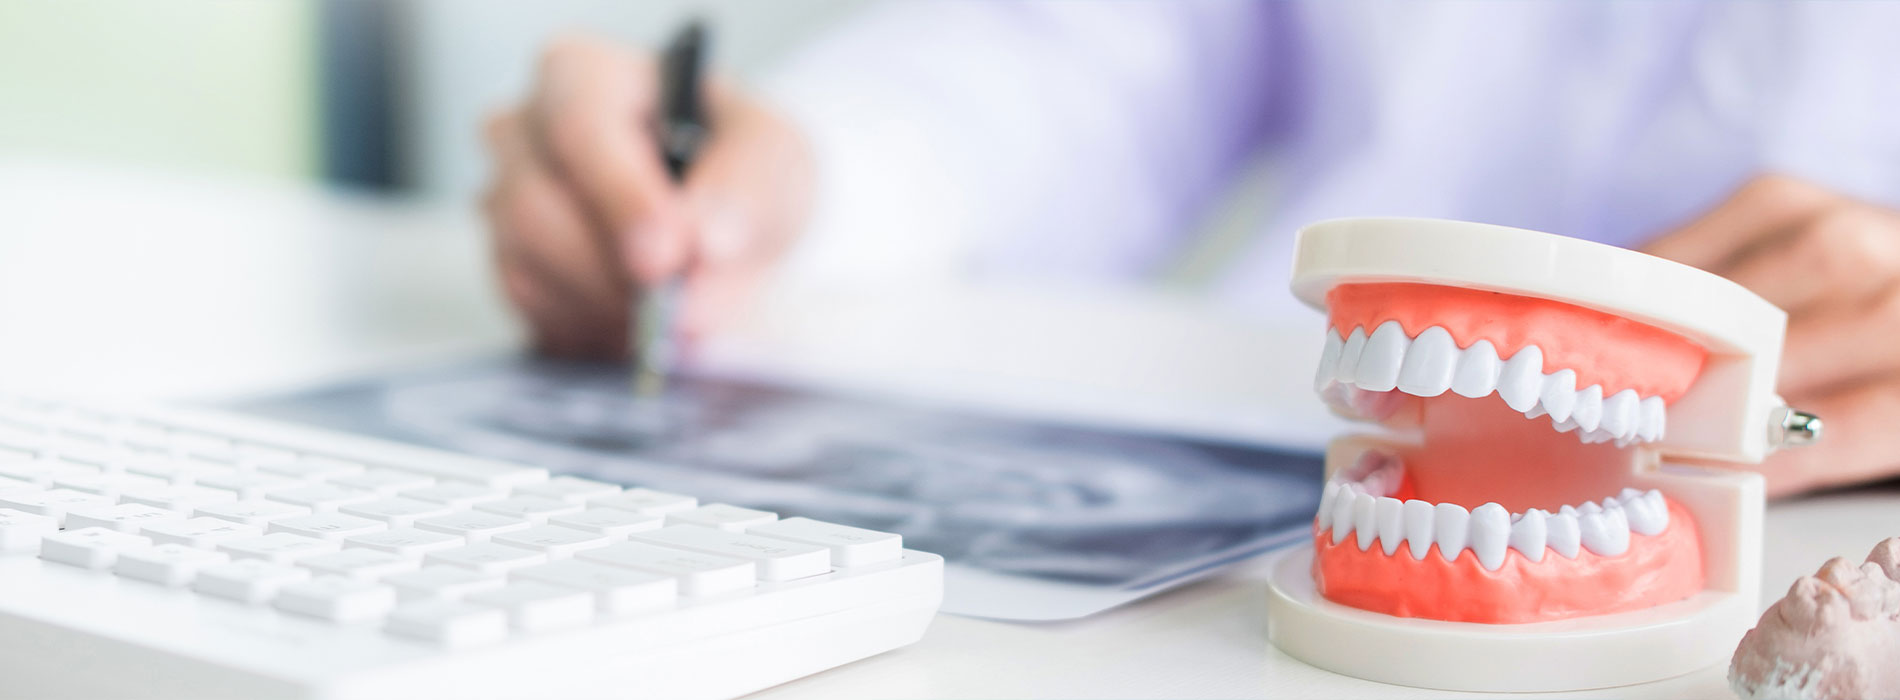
(1432, 363)
(1363, 509)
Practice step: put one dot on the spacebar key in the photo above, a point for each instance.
(777, 560)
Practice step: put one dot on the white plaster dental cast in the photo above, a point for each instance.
(1833, 637)
(1517, 518)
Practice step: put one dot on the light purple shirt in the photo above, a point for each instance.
(1087, 141)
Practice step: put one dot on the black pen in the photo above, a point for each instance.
(680, 129)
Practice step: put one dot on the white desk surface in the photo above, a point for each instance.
(140, 284)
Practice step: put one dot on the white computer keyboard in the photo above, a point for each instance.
(192, 554)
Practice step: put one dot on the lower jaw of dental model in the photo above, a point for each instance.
(1517, 505)
(1835, 636)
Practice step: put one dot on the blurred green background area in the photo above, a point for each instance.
(227, 86)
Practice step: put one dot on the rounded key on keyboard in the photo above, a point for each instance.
(21, 531)
(448, 622)
(698, 574)
(108, 485)
(258, 513)
(177, 470)
(569, 488)
(91, 548)
(125, 517)
(455, 494)
(166, 564)
(52, 503)
(647, 501)
(441, 582)
(198, 532)
(406, 541)
(778, 560)
(327, 526)
(486, 558)
(850, 546)
(721, 516)
(616, 590)
(360, 564)
(248, 485)
(612, 522)
(41, 472)
(385, 482)
(534, 509)
(557, 542)
(475, 526)
(533, 607)
(260, 456)
(321, 498)
(337, 598)
(178, 498)
(248, 580)
(311, 467)
(398, 511)
(276, 547)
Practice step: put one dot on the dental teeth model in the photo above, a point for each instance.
(1834, 637)
(1560, 501)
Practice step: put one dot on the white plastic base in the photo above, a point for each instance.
(1596, 652)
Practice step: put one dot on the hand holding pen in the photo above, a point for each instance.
(586, 214)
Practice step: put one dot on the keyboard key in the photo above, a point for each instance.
(473, 525)
(208, 447)
(850, 546)
(406, 541)
(312, 468)
(249, 485)
(248, 580)
(41, 472)
(202, 533)
(534, 509)
(337, 598)
(276, 547)
(166, 564)
(52, 503)
(778, 560)
(177, 470)
(326, 526)
(455, 494)
(534, 607)
(398, 511)
(616, 590)
(182, 499)
(494, 475)
(647, 501)
(486, 558)
(556, 542)
(569, 488)
(698, 574)
(321, 498)
(612, 522)
(449, 623)
(21, 531)
(108, 485)
(125, 517)
(360, 564)
(91, 548)
(721, 516)
(441, 582)
(384, 482)
(259, 456)
(259, 513)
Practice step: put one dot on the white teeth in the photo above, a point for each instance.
(1490, 534)
(1647, 513)
(1391, 523)
(1619, 413)
(1527, 535)
(1348, 369)
(1477, 372)
(1419, 517)
(1328, 360)
(1606, 532)
(1429, 363)
(1326, 500)
(1562, 533)
(1589, 507)
(1363, 524)
(1588, 413)
(1379, 365)
(1371, 366)
(1522, 379)
(1342, 514)
(1559, 395)
(1451, 528)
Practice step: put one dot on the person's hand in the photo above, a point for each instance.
(584, 213)
(1833, 263)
